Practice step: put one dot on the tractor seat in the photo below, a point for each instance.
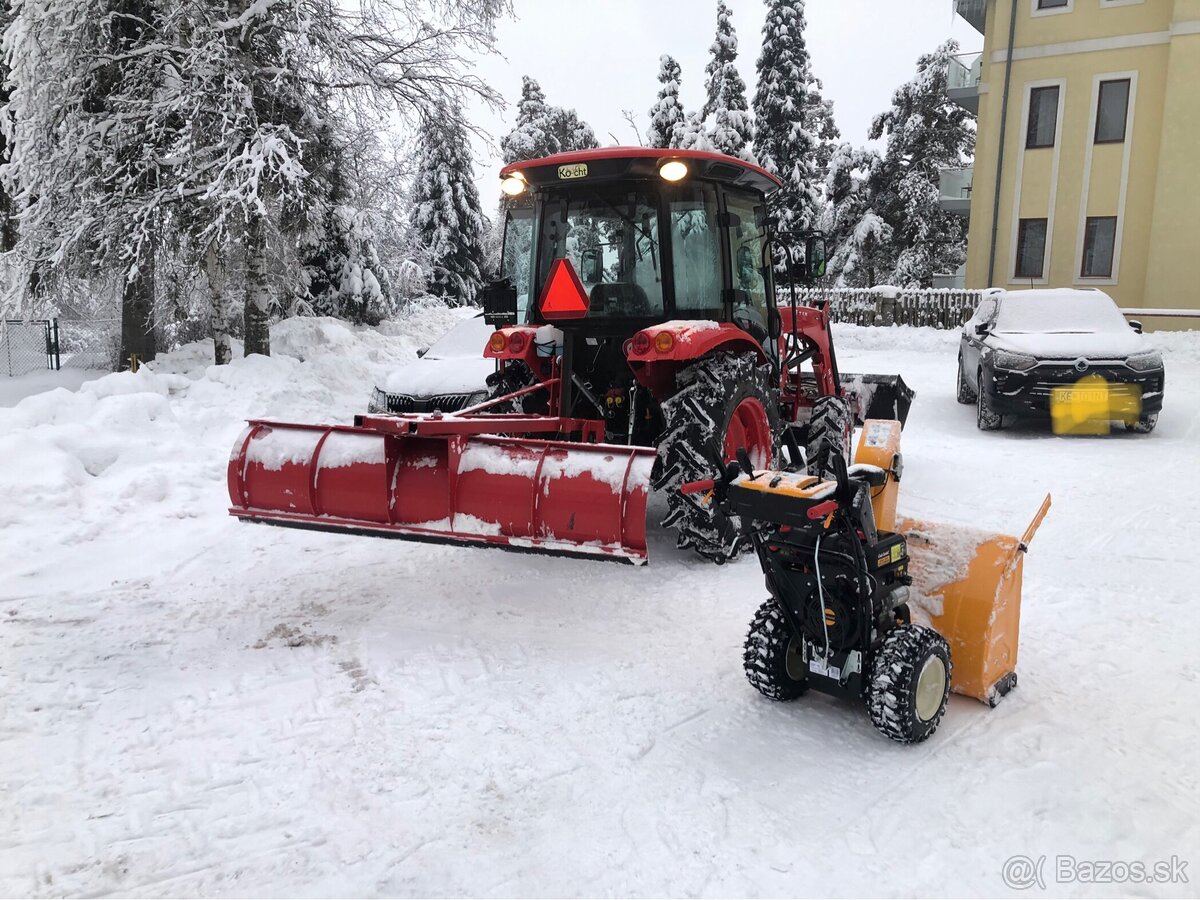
(619, 297)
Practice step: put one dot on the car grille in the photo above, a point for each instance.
(384, 402)
(1038, 383)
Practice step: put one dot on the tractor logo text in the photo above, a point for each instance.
(579, 170)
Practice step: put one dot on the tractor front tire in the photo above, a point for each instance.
(771, 656)
(910, 683)
(828, 434)
(721, 400)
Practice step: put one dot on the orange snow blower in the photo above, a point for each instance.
(638, 339)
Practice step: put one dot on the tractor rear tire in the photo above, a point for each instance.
(771, 656)
(721, 399)
(829, 433)
(909, 683)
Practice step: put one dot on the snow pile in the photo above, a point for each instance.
(849, 337)
(155, 444)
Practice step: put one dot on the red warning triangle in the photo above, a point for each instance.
(564, 296)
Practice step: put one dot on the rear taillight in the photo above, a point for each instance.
(641, 343)
(497, 342)
(664, 342)
(516, 342)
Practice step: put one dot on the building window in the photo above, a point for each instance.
(1051, 4)
(1043, 117)
(1112, 111)
(1099, 239)
(1031, 248)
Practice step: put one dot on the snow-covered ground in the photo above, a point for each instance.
(193, 706)
(14, 389)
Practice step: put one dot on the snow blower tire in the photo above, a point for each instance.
(910, 682)
(771, 656)
(720, 398)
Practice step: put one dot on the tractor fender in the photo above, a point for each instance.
(517, 342)
(656, 353)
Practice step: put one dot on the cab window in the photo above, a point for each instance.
(751, 269)
(696, 250)
(517, 258)
(610, 236)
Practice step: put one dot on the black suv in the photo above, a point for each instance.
(1020, 346)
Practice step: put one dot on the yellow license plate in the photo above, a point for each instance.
(579, 170)
(1077, 396)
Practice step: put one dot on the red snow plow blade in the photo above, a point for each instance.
(391, 478)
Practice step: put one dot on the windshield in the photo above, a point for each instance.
(1059, 312)
(610, 236)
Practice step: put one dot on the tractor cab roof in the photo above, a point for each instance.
(624, 163)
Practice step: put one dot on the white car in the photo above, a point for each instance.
(450, 375)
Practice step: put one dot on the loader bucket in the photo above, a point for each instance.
(574, 499)
(877, 397)
(969, 584)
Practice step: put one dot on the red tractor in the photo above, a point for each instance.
(639, 343)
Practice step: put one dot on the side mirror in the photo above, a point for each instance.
(592, 264)
(1135, 325)
(421, 352)
(814, 255)
(982, 329)
(499, 300)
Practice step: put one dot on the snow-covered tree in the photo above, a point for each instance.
(725, 111)
(859, 241)
(543, 129)
(447, 224)
(925, 132)
(667, 112)
(783, 142)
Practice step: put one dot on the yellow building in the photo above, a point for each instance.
(1090, 112)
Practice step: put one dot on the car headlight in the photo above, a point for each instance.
(1014, 362)
(1144, 362)
(378, 404)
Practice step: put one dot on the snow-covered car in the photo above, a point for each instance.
(1020, 346)
(450, 375)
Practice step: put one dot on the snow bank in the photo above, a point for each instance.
(900, 337)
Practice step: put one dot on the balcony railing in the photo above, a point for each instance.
(954, 190)
(962, 80)
(974, 11)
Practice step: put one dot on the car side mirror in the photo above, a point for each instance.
(499, 301)
(421, 352)
(1135, 325)
(982, 329)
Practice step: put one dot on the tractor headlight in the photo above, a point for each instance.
(513, 185)
(1145, 362)
(674, 170)
(1013, 362)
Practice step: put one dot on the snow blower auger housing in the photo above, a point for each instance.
(637, 340)
(866, 606)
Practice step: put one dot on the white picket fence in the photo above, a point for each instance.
(946, 308)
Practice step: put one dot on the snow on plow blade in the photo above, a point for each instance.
(586, 500)
(972, 583)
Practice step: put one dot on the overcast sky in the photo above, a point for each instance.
(601, 56)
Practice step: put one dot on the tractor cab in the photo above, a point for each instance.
(652, 235)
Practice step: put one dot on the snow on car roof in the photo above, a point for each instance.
(1058, 311)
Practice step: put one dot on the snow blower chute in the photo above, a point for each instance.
(637, 339)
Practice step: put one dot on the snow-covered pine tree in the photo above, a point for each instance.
(725, 111)
(925, 132)
(667, 113)
(447, 223)
(543, 129)
(783, 142)
(859, 240)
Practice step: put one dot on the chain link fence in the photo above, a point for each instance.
(90, 343)
(28, 346)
